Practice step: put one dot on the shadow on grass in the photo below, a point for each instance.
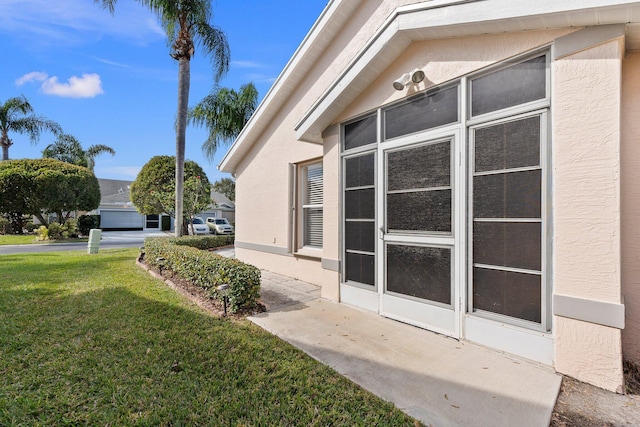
(140, 355)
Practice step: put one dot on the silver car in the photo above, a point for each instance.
(220, 226)
(199, 226)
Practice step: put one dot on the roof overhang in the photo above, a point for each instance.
(445, 19)
(429, 20)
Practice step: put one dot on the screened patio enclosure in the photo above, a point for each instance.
(445, 208)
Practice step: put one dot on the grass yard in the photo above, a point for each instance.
(27, 239)
(94, 340)
(17, 239)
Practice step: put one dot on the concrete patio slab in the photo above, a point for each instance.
(437, 380)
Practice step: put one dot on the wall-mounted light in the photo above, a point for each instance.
(414, 77)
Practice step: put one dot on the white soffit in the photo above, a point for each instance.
(444, 19)
(331, 21)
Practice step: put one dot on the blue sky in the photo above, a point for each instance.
(109, 79)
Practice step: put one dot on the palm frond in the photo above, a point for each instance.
(214, 43)
(224, 112)
(33, 126)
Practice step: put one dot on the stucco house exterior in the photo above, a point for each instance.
(221, 207)
(468, 167)
(116, 210)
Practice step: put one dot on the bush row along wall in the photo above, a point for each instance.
(188, 259)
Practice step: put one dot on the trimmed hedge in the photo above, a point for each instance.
(187, 259)
(204, 242)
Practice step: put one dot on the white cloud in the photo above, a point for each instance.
(246, 64)
(108, 62)
(260, 78)
(86, 86)
(32, 76)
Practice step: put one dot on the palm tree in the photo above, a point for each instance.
(186, 23)
(16, 115)
(68, 149)
(224, 112)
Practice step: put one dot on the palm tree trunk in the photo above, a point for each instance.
(184, 80)
(4, 141)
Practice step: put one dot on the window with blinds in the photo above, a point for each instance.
(312, 205)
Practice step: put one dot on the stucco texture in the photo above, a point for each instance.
(630, 160)
(586, 195)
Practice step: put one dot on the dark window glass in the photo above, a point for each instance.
(507, 244)
(360, 204)
(360, 236)
(359, 171)
(426, 111)
(360, 268)
(504, 292)
(507, 195)
(419, 272)
(361, 132)
(422, 167)
(508, 145)
(420, 211)
(511, 86)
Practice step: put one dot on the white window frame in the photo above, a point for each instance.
(301, 206)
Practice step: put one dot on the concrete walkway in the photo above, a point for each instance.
(437, 380)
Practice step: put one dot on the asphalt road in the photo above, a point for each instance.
(110, 240)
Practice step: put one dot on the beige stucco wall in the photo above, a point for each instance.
(262, 178)
(445, 60)
(586, 194)
(631, 204)
(586, 189)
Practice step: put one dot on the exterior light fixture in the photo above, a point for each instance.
(402, 82)
(414, 77)
(224, 291)
(417, 75)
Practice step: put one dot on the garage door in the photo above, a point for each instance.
(111, 219)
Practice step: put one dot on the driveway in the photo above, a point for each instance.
(110, 240)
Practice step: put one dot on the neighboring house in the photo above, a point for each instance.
(116, 210)
(222, 207)
(468, 167)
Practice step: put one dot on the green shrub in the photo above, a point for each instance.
(186, 259)
(71, 228)
(204, 242)
(5, 226)
(86, 223)
(43, 233)
(30, 227)
(56, 231)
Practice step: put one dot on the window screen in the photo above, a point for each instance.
(420, 272)
(359, 219)
(514, 85)
(507, 226)
(361, 132)
(419, 188)
(312, 205)
(426, 111)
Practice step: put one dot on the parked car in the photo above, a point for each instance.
(220, 226)
(199, 226)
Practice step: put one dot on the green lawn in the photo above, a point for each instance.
(94, 340)
(26, 239)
